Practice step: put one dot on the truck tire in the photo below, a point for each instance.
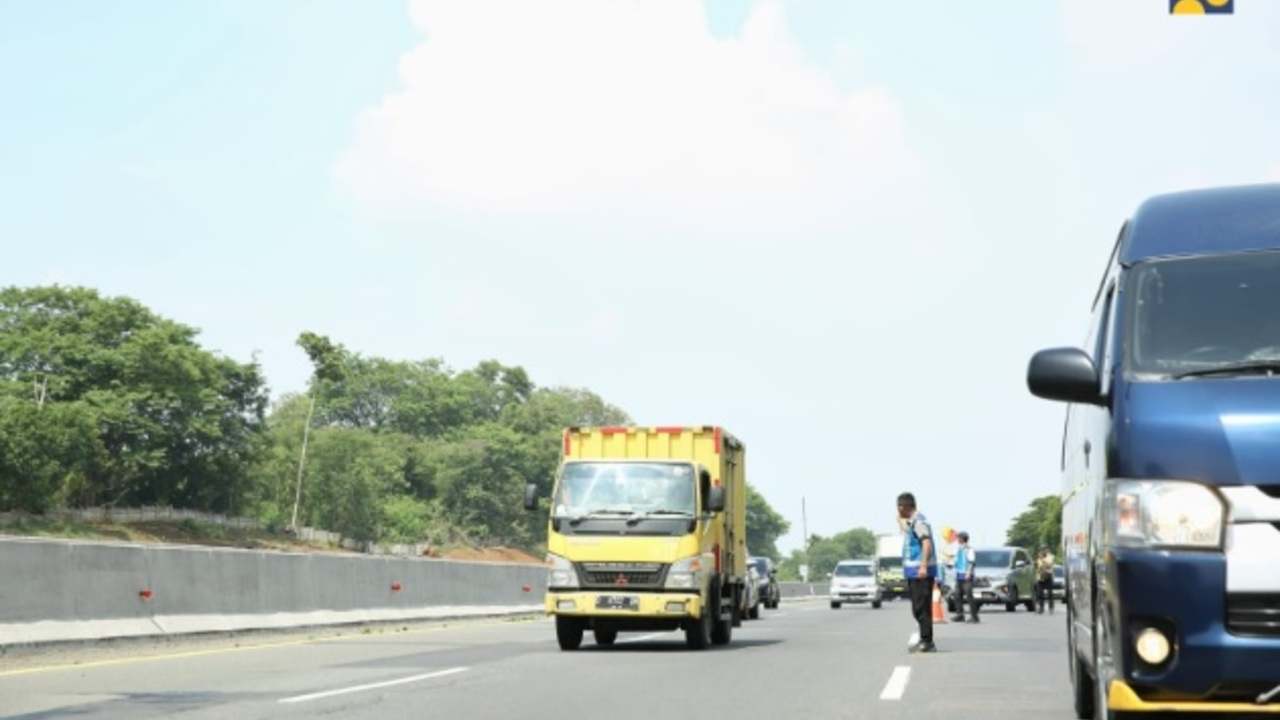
(605, 638)
(722, 629)
(697, 634)
(569, 632)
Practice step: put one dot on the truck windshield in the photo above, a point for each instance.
(992, 558)
(613, 488)
(890, 563)
(1205, 316)
(853, 571)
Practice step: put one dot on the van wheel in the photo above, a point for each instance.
(835, 605)
(1081, 683)
(754, 613)
(875, 604)
(1103, 666)
(569, 632)
(1012, 605)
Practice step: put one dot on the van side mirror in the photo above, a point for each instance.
(715, 499)
(530, 497)
(1066, 375)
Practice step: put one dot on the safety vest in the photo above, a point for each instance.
(913, 549)
(962, 562)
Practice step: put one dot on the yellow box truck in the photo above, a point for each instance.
(647, 532)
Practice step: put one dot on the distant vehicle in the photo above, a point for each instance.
(1171, 510)
(770, 591)
(854, 581)
(889, 566)
(647, 531)
(1004, 576)
(751, 594)
(1059, 583)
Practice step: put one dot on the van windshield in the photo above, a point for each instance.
(1204, 315)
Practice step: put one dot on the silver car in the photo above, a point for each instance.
(854, 581)
(1004, 576)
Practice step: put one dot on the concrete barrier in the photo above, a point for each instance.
(800, 589)
(59, 590)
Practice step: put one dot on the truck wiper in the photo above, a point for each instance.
(575, 520)
(637, 517)
(1248, 367)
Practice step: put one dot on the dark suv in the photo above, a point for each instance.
(770, 593)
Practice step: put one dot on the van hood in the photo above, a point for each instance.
(1220, 431)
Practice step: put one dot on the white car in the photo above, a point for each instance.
(854, 581)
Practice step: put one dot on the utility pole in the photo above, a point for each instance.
(804, 528)
(302, 459)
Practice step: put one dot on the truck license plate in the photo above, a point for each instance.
(617, 602)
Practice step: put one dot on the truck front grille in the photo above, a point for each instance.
(635, 576)
(1253, 614)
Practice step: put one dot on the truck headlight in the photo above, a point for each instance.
(1163, 513)
(685, 574)
(561, 574)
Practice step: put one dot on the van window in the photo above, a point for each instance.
(1196, 314)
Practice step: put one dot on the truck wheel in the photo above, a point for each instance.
(697, 634)
(569, 632)
(606, 637)
(738, 610)
(722, 629)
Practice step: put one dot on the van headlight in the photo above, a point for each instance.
(1163, 513)
(561, 575)
(685, 574)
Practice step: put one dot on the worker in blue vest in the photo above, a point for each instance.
(920, 567)
(966, 559)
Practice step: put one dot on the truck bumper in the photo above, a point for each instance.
(660, 606)
(1184, 593)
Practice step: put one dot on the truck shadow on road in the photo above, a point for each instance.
(674, 645)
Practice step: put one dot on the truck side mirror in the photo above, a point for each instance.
(715, 499)
(530, 497)
(1066, 375)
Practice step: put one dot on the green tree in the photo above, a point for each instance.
(47, 454)
(764, 525)
(1040, 525)
(175, 423)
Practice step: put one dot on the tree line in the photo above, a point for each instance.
(104, 402)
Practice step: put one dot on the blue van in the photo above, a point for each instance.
(1171, 462)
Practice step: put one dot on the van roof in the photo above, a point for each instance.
(1203, 222)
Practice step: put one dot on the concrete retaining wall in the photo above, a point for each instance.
(55, 590)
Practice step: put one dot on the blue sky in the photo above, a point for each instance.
(837, 228)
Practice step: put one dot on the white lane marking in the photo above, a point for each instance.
(374, 686)
(642, 638)
(897, 683)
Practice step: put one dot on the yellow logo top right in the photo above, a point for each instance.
(1202, 7)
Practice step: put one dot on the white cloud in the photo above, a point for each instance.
(627, 106)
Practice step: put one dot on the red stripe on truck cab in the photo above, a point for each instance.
(613, 431)
(717, 437)
(671, 430)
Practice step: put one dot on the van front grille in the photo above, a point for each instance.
(1256, 614)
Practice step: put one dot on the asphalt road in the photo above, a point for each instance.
(803, 660)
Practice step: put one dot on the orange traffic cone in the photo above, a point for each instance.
(939, 614)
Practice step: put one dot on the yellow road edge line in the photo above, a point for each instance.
(257, 646)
